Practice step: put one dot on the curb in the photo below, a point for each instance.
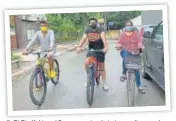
(27, 70)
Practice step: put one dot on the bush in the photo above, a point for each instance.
(15, 56)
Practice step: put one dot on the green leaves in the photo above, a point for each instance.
(70, 22)
(67, 23)
(120, 17)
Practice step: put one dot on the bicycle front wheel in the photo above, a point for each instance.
(130, 88)
(57, 70)
(90, 85)
(37, 85)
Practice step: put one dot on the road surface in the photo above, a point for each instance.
(70, 93)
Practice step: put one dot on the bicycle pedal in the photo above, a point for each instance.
(47, 80)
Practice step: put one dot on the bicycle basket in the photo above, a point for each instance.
(132, 62)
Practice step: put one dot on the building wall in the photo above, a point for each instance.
(13, 40)
(137, 21)
(34, 17)
(151, 17)
(24, 31)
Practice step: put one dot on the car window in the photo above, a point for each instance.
(158, 34)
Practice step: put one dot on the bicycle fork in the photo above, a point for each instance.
(38, 78)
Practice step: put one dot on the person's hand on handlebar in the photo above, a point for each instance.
(25, 52)
(118, 46)
(105, 50)
(78, 50)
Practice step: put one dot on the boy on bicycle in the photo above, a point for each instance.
(130, 42)
(47, 42)
(96, 40)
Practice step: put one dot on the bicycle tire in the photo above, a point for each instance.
(36, 102)
(90, 85)
(98, 77)
(130, 88)
(58, 73)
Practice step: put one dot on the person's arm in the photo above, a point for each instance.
(139, 40)
(141, 32)
(103, 37)
(34, 39)
(83, 40)
(52, 39)
(104, 40)
(119, 42)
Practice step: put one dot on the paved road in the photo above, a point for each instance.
(70, 93)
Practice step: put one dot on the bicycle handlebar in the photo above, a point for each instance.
(122, 47)
(96, 50)
(37, 52)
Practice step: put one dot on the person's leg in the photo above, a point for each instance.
(123, 77)
(86, 63)
(51, 66)
(101, 62)
(122, 53)
(103, 75)
(138, 81)
(50, 56)
(50, 61)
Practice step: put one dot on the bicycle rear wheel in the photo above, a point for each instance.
(90, 84)
(57, 70)
(130, 88)
(38, 83)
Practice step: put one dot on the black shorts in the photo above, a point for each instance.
(100, 56)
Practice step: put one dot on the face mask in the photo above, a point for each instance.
(43, 29)
(93, 26)
(129, 28)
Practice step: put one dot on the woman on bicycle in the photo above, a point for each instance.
(130, 42)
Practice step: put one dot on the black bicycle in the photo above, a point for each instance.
(41, 75)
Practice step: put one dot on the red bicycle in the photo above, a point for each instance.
(93, 74)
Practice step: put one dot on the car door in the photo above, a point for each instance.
(155, 55)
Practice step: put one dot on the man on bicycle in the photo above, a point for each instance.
(130, 42)
(47, 42)
(96, 40)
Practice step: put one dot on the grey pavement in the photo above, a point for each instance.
(70, 93)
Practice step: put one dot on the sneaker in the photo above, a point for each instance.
(140, 89)
(51, 74)
(123, 78)
(105, 87)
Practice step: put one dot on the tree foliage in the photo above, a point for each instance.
(119, 18)
(76, 22)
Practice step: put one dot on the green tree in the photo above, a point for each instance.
(120, 17)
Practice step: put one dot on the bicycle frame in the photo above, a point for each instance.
(92, 60)
(132, 65)
(41, 61)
